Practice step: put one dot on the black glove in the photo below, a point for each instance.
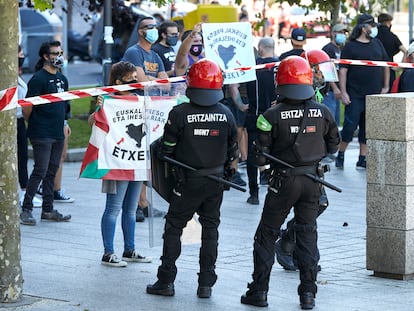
(178, 175)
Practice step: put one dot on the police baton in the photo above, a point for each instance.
(215, 178)
(311, 176)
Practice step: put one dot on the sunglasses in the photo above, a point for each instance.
(60, 53)
(149, 26)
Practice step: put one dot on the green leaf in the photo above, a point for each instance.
(43, 5)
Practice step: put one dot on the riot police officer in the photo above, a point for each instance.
(323, 70)
(298, 131)
(201, 134)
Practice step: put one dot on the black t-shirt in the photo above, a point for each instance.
(46, 121)
(265, 85)
(296, 52)
(389, 40)
(364, 80)
(406, 81)
(166, 53)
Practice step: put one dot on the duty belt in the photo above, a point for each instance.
(218, 170)
(299, 170)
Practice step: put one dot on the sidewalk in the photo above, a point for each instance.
(62, 270)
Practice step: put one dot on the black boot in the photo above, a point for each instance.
(255, 298)
(204, 292)
(162, 289)
(307, 301)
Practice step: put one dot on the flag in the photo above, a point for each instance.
(124, 128)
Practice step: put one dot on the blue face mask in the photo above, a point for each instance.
(340, 38)
(151, 35)
(374, 32)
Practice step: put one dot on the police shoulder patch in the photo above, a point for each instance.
(262, 124)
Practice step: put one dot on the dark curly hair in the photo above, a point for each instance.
(119, 70)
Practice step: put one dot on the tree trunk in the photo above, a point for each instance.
(11, 280)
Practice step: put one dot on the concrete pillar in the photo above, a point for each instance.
(390, 185)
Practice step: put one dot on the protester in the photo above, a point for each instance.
(406, 81)
(301, 142)
(261, 94)
(190, 51)
(45, 131)
(149, 67)
(333, 49)
(298, 40)
(167, 39)
(120, 194)
(390, 41)
(193, 191)
(355, 85)
(22, 153)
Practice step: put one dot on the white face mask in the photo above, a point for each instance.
(374, 32)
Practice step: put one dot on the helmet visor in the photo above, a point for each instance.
(329, 71)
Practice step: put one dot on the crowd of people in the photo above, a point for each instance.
(292, 115)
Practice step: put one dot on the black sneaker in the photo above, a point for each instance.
(60, 197)
(204, 292)
(255, 298)
(162, 289)
(26, 218)
(139, 215)
(54, 215)
(133, 256)
(361, 164)
(339, 162)
(112, 260)
(253, 199)
(155, 212)
(238, 180)
(307, 301)
(264, 178)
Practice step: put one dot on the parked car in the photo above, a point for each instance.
(312, 21)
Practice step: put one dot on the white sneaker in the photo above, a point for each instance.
(135, 257)
(113, 261)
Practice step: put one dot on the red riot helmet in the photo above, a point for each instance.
(321, 63)
(294, 78)
(205, 82)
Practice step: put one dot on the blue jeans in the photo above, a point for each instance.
(46, 156)
(125, 198)
(333, 104)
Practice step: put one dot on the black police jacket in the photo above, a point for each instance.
(298, 139)
(200, 136)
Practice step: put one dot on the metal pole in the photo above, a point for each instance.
(64, 42)
(410, 20)
(108, 41)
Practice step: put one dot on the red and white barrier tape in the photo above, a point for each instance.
(6, 101)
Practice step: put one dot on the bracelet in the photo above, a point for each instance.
(65, 123)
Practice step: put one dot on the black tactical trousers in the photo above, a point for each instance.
(302, 193)
(250, 166)
(203, 196)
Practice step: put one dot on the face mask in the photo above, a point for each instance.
(129, 82)
(151, 35)
(172, 41)
(58, 62)
(196, 49)
(21, 61)
(374, 32)
(340, 38)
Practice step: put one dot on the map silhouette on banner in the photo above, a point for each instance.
(231, 46)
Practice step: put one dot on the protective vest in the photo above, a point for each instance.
(297, 138)
(202, 135)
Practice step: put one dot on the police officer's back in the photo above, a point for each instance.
(201, 134)
(300, 132)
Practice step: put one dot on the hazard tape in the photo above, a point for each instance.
(76, 94)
